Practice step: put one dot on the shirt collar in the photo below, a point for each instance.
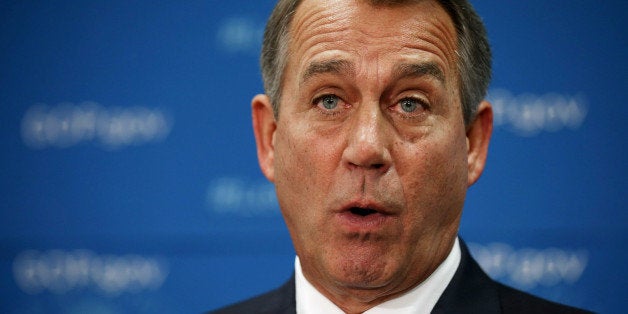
(420, 299)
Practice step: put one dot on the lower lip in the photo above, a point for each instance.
(362, 223)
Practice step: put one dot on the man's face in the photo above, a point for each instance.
(369, 154)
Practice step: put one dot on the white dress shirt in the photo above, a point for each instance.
(420, 299)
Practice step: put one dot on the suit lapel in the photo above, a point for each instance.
(284, 299)
(470, 290)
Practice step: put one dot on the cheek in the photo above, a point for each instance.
(303, 169)
(307, 154)
(303, 176)
(296, 161)
(434, 176)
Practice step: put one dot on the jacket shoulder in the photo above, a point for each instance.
(516, 301)
(280, 300)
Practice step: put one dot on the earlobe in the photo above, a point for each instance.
(264, 127)
(478, 138)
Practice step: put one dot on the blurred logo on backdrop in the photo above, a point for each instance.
(528, 114)
(68, 124)
(240, 34)
(240, 197)
(528, 268)
(60, 272)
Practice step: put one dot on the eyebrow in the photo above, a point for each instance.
(402, 70)
(334, 66)
(412, 70)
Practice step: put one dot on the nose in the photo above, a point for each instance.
(367, 140)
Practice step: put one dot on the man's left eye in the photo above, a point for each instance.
(410, 104)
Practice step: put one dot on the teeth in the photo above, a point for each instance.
(362, 211)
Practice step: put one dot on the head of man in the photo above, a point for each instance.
(372, 130)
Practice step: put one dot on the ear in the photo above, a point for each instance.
(478, 137)
(264, 127)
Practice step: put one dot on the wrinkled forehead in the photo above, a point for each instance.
(309, 12)
(366, 26)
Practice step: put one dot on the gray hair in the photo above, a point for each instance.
(474, 53)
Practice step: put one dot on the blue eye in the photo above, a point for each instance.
(409, 104)
(329, 102)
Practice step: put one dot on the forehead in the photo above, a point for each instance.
(361, 28)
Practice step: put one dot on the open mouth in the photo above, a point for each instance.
(364, 217)
(362, 211)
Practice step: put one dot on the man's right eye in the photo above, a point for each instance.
(327, 102)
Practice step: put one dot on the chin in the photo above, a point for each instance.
(359, 271)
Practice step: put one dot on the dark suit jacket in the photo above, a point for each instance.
(470, 291)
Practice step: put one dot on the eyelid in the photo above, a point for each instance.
(316, 99)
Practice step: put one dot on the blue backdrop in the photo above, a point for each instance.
(130, 182)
